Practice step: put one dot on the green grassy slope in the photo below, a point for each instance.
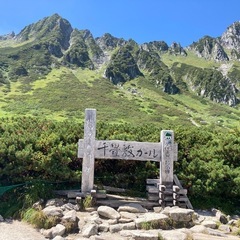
(65, 93)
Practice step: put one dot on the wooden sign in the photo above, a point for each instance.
(88, 155)
(124, 150)
(166, 166)
(164, 152)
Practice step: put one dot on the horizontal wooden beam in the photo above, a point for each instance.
(124, 150)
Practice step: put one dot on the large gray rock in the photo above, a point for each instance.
(122, 226)
(1, 219)
(53, 211)
(152, 221)
(181, 214)
(174, 235)
(90, 230)
(70, 206)
(127, 217)
(115, 228)
(47, 233)
(141, 234)
(70, 216)
(59, 230)
(132, 208)
(103, 227)
(108, 212)
(57, 202)
(199, 229)
(70, 221)
(209, 224)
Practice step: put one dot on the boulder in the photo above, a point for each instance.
(153, 221)
(199, 229)
(181, 214)
(174, 235)
(181, 217)
(47, 233)
(90, 230)
(53, 211)
(70, 206)
(132, 208)
(70, 216)
(209, 224)
(141, 234)
(103, 227)
(108, 212)
(59, 230)
(115, 228)
(127, 217)
(57, 202)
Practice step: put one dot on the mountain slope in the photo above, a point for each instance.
(52, 69)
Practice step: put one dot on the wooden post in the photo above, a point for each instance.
(89, 146)
(166, 164)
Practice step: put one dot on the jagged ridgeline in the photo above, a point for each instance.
(207, 70)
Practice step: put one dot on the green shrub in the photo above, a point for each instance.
(38, 219)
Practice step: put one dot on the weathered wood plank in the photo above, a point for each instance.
(178, 183)
(114, 189)
(166, 165)
(124, 150)
(152, 189)
(153, 181)
(88, 150)
(152, 197)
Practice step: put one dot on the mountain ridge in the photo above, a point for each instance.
(208, 68)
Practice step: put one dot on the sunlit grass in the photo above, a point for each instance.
(191, 59)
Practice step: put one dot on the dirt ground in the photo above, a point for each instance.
(16, 230)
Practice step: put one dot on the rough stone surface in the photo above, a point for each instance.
(131, 226)
(59, 230)
(181, 214)
(154, 220)
(90, 230)
(132, 208)
(199, 229)
(209, 224)
(58, 238)
(174, 235)
(57, 202)
(70, 216)
(108, 212)
(53, 211)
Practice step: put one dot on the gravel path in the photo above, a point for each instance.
(16, 230)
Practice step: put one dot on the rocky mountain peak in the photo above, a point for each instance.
(155, 46)
(108, 42)
(7, 36)
(210, 49)
(231, 37)
(54, 25)
(122, 67)
(177, 49)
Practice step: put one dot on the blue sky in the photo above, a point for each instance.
(182, 21)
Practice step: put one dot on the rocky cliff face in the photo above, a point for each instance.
(210, 49)
(122, 67)
(231, 37)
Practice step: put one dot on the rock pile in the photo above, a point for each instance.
(132, 221)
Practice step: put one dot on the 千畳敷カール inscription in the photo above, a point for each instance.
(116, 149)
